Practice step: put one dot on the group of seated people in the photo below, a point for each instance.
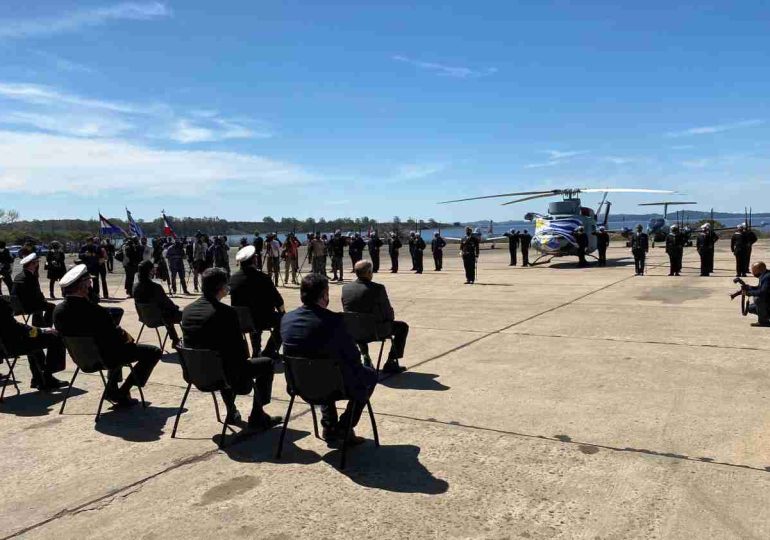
(312, 330)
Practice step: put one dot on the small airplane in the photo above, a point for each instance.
(555, 231)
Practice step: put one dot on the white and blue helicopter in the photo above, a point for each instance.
(555, 231)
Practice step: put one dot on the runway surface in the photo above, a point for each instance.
(546, 402)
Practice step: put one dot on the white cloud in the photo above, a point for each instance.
(36, 94)
(541, 164)
(68, 124)
(39, 164)
(616, 160)
(459, 72)
(555, 157)
(62, 64)
(75, 20)
(415, 171)
(718, 128)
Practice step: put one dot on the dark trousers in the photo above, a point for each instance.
(582, 257)
(675, 262)
(337, 267)
(469, 262)
(110, 263)
(273, 343)
(171, 319)
(144, 358)
(182, 283)
(438, 259)
(418, 260)
(639, 263)
(411, 255)
(525, 257)
(43, 364)
(759, 309)
(43, 318)
(603, 256)
(103, 276)
(706, 262)
(354, 258)
(375, 256)
(51, 286)
(273, 268)
(96, 287)
(394, 262)
(352, 412)
(129, 283)
(741, 263)
(259, 260)
(399, 331)
(319, 265)
(259, 372)
(513, 255)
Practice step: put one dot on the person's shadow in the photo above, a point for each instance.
(135, 424)
(246, 447)
(34, 403)
(391, 468)
(412, 380)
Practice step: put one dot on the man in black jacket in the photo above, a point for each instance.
(365, 296)
(469, 251)
(419, 247)
(209, 324)
(513, 245)
(526, 239)
(393, 246)
(761, 293)
(374, 244)
(253, 289)
(602, 242)
(581, 239)
(336, 251)
(312, 331)
(437, 246)
(26, 288)
(133, 254)
(146, 291)
(77, 316)
(640, 245)
(356, 249)
(259, 245)
(20, 338)
(675, 250)
(705, 246)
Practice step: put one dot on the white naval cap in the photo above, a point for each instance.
(73, 275)
(245, 254)
(28, 259)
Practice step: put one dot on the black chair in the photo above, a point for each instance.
(87, 357)
(246, 322)
(151, 316)
(18, 308)
(10, 378)
(204, 369)
(318, 382)
(365, 328)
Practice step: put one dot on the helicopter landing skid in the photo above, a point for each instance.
(537, 261)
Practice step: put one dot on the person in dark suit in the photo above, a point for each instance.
(640, 246)
(374, 244)
(419, 247)
(254, 289)
(513, 245)
(705, 246)
(356, 249)
(133, 254)
(146, 291)
(20, 338)
(54, 265)
(525, 239)
(259, 244)
(77, 316)
(393, 246)
(209, 324)
(365, 296)
(437, 246)
(469, 251)
(602, 242)
(312, 331)
(761, 294)
(26, 287)
(581, 239)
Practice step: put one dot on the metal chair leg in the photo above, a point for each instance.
(69, 388)
(345, 442)
(216, 405)
(101, 402)
(379, 358)
(179, 412)
(315, 421)
(222, 437)
(138, 386)
(11, 378)
(104, 381)
(163, 345)
(138, 337)
(374, 424)
(283, 430)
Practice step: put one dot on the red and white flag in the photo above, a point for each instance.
(167, 230)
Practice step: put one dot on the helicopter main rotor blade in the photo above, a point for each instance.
(528, 198)
(625, 190)
(670, 203)
(549, 193)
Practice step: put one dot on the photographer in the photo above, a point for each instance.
(761, 293)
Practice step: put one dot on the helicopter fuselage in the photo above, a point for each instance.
(555, 232)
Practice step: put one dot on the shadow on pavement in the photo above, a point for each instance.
(412, 380)
(34, 403)
(135, 424)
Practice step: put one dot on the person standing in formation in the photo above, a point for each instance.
(437, 246)
(675, 250)
(337, 251)
(200, 248)
(419, 247)
(705, 246)
(602, 242)
(393, 246)
(640, 245)
(525, 238)
(6, 267)
(356, 249)
(374, 244)
(469, 251)
(513, 245)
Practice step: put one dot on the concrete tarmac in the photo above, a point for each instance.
(545, 402)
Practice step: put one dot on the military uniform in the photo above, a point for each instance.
(705, 247)
(337, 251)
(356, 249)
(602, 242)
(437, 247)
(411, 248)
(469, 249)
(393, 246)
(374, 244)
(419, 246)
(581, 239)
(675, 250)
(513, 245)
(259, 244)
(640, 245)
(26, 287)
(740, 245)
(525, 238)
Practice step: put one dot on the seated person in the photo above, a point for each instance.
(365, 296)
(26, 287)
(77, 316)
(146, 291)
(20, 339)
(253, 289)
(312, 331)
(761, 293)
(207, 323)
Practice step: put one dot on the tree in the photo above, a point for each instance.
(8, 216)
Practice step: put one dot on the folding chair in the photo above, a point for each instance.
(18, 309)
(87, 357)
(203, 369)
(247, 324)
(365, 328)
(10, 378)
(151, 316)
(318, 382)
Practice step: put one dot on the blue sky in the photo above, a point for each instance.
(245, 109)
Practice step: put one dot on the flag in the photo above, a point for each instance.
(133, 226)
(106, 227)
(167, 230)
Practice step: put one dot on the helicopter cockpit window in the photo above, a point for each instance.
(570, 207)
(656, 223)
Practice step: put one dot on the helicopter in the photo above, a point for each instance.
(658, 228)
(555, 231)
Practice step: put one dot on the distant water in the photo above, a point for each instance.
(497, 229)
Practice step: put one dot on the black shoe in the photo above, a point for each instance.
(121, 399)
(392, 366)
(54, 383)
(760, 324)
(234, 418)
(335, 437)
(264, 422)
